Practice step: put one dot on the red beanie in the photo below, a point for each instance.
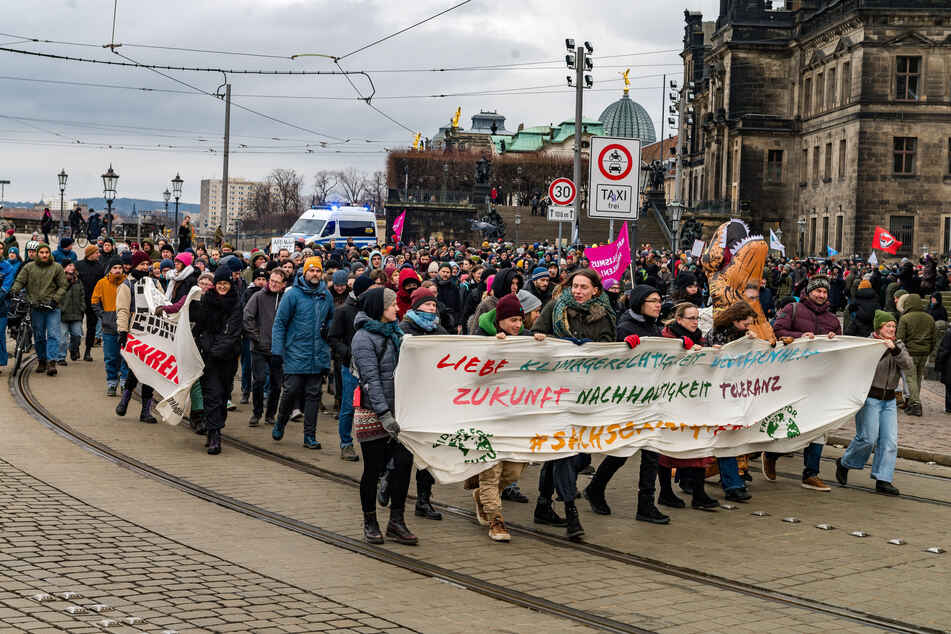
(508, 306)
(422, 295)
(139, 257)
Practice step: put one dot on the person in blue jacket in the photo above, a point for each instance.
(64, 253)
(8, 272)
(299, 345)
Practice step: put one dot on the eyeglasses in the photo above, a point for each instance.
(651, 301)
(691, 318)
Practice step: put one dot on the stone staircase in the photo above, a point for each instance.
(538, 228)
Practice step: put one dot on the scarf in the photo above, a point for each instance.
(426, 321)
(696, 336)
(390, 329)
(72, 277)
(598, 307)
(173, 277)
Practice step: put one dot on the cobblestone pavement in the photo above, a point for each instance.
(53, 543)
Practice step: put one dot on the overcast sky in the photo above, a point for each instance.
(45, 127)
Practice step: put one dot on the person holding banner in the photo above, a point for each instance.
(125, 309)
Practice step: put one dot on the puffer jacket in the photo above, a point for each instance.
(937, 310)
(796, 319)
(942, 361)
(217, 327)
(258, 319)
(342, 331)
(104, 302)
(89, 274)
(863, 306)
(44, 282)
(73, 306)
(375, 358)
(916, 328)
(300, 328)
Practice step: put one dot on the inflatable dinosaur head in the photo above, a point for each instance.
(732, 259)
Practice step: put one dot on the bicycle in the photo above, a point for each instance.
(80, 237)
(21, 328)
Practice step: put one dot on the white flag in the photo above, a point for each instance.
(774, 243)
(873, 259)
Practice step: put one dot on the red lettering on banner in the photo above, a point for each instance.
(463, 391)
(472, 365)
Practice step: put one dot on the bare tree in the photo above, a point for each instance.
(353, 183)
(377, 191)
(288, 184)
(325, 182)
(261, 203)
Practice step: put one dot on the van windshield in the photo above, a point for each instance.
(355, 228)
(307, 226)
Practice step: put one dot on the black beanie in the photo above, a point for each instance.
(639, 294)
(361, 284)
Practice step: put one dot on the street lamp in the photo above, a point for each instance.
(801, 223)
(167, 195)
(518, 185)
(518, 221)
(177, 189)
(109, 180)
(62, 189)
(445, 177)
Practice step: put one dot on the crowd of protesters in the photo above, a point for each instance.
(285, 327)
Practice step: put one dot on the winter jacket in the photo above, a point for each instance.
(8, 242)
(403, 301)
(89, 274)
(942, 361)
(104, 302)
(887, 372)
(375, 358)
(184, 237)
(258, 319)
(63, 257)
(44, 282)
(447, 292)
(796, 319)
(632, 323)
(181, 287)
(300, 328)
(722, 337)
(937, 310)
(410, 327)
(73, 306)
(501, 286)
(342, 331)
(598, 329)
(217, 329)
(862, 308)
(8, 273)
(916, 328)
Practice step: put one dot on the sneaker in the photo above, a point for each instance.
(815, 484)
(62, 362)
(311, 443)
(497, 530)
(231, 406)
(588, 471)
(514, 494)
(885, 487)
(769, 468)
(480, 510)
(254, 420)
(51, 368)
(841, 472)
(110, 390)
(245, 398)
(596, 499)
(349, 454)
(737, 494)
(278, 432)
(41, 367)
(296, 415)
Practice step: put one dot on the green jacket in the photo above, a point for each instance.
(43, 282)
(916, 328)
(73, 306)
(487, 325)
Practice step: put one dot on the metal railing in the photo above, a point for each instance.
(429, 196)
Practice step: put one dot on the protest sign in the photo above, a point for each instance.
(281, 243)
(161, 351)
(611, 259)
(466, 404)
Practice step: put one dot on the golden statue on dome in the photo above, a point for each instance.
(627, 82)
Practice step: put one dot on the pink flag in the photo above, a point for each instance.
(398, 225)
(611, 259)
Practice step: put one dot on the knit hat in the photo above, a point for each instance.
(14, 251)
(433, 267)
(356, 266)
(139, 257)
(89, 250)
(339, 278)
(185, 258)
(165, 265)
(113, 261)
(508, 306)
(528, 301)
(685, 279)
(539, 273)
(10, 232)
(65, 242)
(881, 318)
(312, 263)
(818, 281)
(865, 284)
(361, 284)
(638, 295)
(445, 265)
(422, 295)
(42, 245)
(389, 298)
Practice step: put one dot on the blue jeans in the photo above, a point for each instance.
(68, 329)
(876, 426)
(811, 454)
(246, 366)
(115, 364)
(3, 340)
(345, 420)
(730, 473)
(46, 333)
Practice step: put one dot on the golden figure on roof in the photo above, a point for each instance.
(627, 82)
(416, 139)
(455, 117)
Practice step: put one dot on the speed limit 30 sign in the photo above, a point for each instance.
(562, 191)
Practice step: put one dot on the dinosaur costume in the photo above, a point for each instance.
(732, 259)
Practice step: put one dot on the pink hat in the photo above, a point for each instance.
(185, 258)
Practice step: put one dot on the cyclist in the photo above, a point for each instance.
(75, 222)
(45, 284)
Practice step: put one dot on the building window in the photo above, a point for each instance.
(828, 171)
(949, 156)
(815, 164)
(946, 232)
(774, 166)
(842, 155)
(908, 74)
(812, 234)
(839, 221)
(903, 228)
(830, 92)
(804, 167)
(820, 93)
(904, 155)
(807, 97)
(846, 83)
(825, 232)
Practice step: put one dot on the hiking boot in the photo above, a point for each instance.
(588, 471)
(497, 530)
(245, 398)
(145, 415)
(885, 487)
(424, 505)
(87, 356)
(74, 355)
(841, 472)
(278, 432)
(61, 362)
(815, 484)
(649, 513)
(383, 492)
(254, 420)
(269, 420)
(913, 410)
(737, 494)
(595, 498)
(110, 390)
(349, 454)
(396, 528)
(123, 404)
(900, 401)
(214, 442)
(480, 510)
(41, 367)
(769, 468)
(573, 523)
(703, 501)
(671, 500)
(545, 514)
(371, 528)
(311, 443)
(51, 369)
(513, 494)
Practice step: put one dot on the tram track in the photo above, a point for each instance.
(19, 387)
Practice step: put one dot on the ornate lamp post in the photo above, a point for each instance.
(167, 195)
(518, 221)
(177, 189)
(62, 189)
(801, 223)
(445, 177)
(109, 180)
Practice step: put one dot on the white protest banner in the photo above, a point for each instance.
(873, 259)
(162, 352)
(281, 243)
(466, 404)
(697, 250)
(774, 243)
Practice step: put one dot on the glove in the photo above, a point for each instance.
(787, 340)
(579, 342)
(688, 343)
(389, 424)
(53, 304)
(159, 310)
(123, 337)
(632, 340)
(277, 361)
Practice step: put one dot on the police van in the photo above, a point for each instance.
(335, 222)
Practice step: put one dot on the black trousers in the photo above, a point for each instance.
(338, 384)
(947, 399)
(217, 382)
(260, 363)
(646, 481)
(91, 321)
(131, 382)
(376, 454)
(558, 475)
(296, 387)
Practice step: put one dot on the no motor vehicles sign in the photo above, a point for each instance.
(615, 177)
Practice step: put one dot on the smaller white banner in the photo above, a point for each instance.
(697, 250)
(281, 243)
